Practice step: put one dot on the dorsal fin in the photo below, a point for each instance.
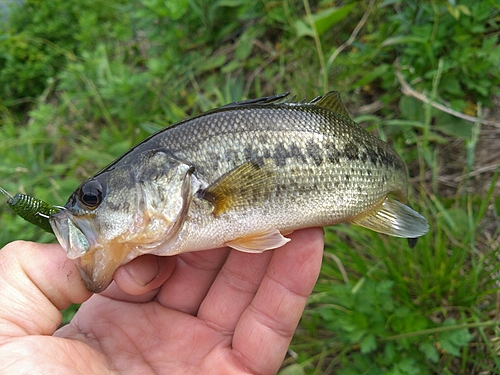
(266, 100)
(245, 183)
(331, 101)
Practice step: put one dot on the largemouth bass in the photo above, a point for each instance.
(243, 175)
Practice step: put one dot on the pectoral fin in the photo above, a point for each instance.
(240, 187)
(395, 219)
(259, 242)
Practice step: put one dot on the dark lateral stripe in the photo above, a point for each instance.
(351, 151)
(315, 152)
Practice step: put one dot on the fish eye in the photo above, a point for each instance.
(91, 194)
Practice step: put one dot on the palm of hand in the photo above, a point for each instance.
(206, 312)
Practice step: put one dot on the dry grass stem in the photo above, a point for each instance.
(407, 90)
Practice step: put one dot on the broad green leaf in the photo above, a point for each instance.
(231, 66)
(408, 366)
(322, 20)
(451, 84)
(177, 8)
(453, 341)
(429, 351)
(452, 125)
(245, 43)
(390, 351)
(303, 29)
(411, 108)
(368, 344)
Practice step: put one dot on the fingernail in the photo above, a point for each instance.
(143, 270)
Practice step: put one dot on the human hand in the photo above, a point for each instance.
(212, 312)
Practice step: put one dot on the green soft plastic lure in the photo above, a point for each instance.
(34, 211)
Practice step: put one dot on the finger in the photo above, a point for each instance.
(263, 334)
(139, 280)
(193, 275)
(37, 281)
(233, 289)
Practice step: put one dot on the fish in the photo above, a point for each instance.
(243, 175)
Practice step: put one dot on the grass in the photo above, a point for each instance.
(121, 70)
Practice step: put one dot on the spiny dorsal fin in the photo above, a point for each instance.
(332, 102)
(259, 242)
(395, 219)
(247, 183)
(266, 100)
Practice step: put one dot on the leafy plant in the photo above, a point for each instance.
(391, 338)
(37, 45)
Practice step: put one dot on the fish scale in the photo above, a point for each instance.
(243, 176)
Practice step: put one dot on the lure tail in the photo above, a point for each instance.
(34, 211)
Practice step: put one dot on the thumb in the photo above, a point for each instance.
(36, 282)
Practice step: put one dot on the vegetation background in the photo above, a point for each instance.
(81, 81)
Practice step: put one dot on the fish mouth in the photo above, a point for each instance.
(78, 238)
(73, 239)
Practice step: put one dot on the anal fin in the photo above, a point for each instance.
(395, 219)
(259, 242)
